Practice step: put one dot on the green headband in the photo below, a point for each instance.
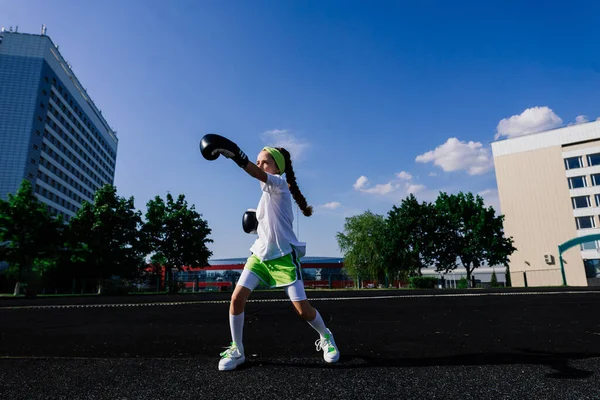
(277, 156)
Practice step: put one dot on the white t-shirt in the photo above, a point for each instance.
(275, 216)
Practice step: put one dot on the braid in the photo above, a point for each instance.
(290, 177)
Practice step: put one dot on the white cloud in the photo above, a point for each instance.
(286, 139)
(381, 188)
(403, 175)
(360, 182)
(414, 189)
(581, 119)
(331, 205)
(401, 186)
(455, 155)
(432, 174)
(534, 119)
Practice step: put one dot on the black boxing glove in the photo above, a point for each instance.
(249, 221)
(212, 145)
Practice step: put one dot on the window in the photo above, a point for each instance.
(585, 222)
(595, 179)
(593, 159)
(592, 268)
(577, 182)
(573, 162)
(582, 201)
(597, 198)
(593, 245)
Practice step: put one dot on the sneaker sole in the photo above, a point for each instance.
(225, 368)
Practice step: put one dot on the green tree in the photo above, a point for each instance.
(412, 236)
(494, 279)
(104, 237)
(477, 234)
(29, 237)
(175, 234)
(362, 244)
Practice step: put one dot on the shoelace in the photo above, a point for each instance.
(229, 352)
(324, 343)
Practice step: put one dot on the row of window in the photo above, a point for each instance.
(577, 182)
(585, 201)
(81, 115)
(55, 198)
(100, 142)
(577, 162)
(60, 172)
(586, 222)
(60, 187)
(75, 160)
(97, 175)
(83, 144)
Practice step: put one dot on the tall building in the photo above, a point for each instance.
(51, 133)
(549, 189)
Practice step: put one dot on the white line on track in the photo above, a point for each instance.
(184, 303)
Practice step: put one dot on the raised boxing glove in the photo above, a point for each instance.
(212, 145)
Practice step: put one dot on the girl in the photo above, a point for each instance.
(276, 251)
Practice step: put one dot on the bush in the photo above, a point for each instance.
(422, 282)
(462, 283)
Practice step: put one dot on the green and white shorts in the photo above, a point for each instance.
(284, 272)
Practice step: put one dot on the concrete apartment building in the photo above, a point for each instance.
(51, 132)
(549, 189)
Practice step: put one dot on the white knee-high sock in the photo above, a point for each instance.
(318, 325)
(236, 324)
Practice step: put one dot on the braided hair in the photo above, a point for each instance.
(290, 177)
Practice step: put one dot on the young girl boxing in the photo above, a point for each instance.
(275, 259)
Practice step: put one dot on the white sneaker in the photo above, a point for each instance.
(326, 343)
(231, 358)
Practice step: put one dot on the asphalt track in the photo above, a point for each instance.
(541, 344)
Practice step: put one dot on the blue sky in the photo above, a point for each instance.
(374, 99)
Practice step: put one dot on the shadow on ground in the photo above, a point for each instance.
(558, 362)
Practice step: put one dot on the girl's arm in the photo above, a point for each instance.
(254, 171)
(212, 145)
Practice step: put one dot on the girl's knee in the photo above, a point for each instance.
(238, 302)
(306, 312)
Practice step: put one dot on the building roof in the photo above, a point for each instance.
(556, 137)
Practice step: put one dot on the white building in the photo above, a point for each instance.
(51, 132)
(549, 189)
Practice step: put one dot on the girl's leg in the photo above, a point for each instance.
(236, 314)
(311, 315)
(234, 355)
(307, 312)
(245, 285)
